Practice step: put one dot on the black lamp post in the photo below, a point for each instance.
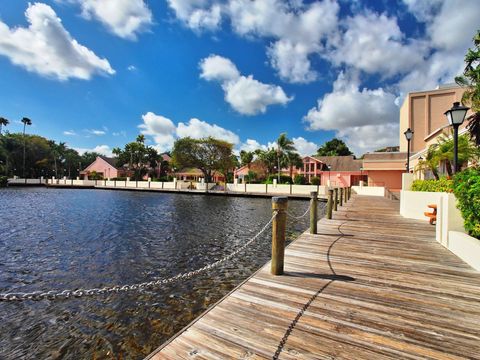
(408, 135)
(455, 117)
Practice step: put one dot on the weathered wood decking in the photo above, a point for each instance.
(370, 285)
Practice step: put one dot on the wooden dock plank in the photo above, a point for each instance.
(370, 285)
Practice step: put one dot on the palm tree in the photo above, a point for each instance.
(141, 138)
(470, 81)
(430, 162)
(3, 122)
(58, 151)
(246, 158)
(284, 147)
(25, 121)
(294, 160)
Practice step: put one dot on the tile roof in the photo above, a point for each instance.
(110, 160)
(385, 156)
(341, 163)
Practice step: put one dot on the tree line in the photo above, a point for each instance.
(33, 156)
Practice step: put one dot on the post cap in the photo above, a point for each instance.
(280, 199)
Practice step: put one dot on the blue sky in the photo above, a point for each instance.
(96, 73)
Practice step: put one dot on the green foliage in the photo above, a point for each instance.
(95, 176)
(3, 122)
(246, 157)
(466, 187)
(119, 178)
(315, 181)
(251, 176)
(334, 147)
(43, 157)
(3, 181)
(284, 179)
(442, 152)
(207, 154)
(441, 185)
(300, 180)
(470, 80)
(165, 178)
(139, 158)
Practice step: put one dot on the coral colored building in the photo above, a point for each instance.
(104, 166)
(333, 170)
(423, 112)
(385, 169)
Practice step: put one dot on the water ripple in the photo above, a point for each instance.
(62, 238)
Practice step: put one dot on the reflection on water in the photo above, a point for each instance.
(67, 239)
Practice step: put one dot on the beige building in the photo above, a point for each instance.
(423, 112)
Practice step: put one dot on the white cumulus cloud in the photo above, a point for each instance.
(164, 132)
(101, 149)
(349, 106)
(374, 43)
(245, 94)
(46, 48)
(298, 30)
(124, 18)
(198, 129)
(96, 132)
(198, 15)
(362, 139)
(350, 110)
(252, 145)
(218, 68)
(304, 147)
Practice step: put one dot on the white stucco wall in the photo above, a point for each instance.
(449, 229)
(413, 204)
(465, 247)
(369, 190)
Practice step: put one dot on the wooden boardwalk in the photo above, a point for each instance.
(370, 285)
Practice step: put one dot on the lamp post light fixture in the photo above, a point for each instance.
(455, 117)
(408, 135)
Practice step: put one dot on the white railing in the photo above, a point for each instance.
(271, 189)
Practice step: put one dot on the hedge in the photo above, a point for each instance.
(300, 180)
(466, 187)
(442, 185)
(284, 179)
(3, 181)
(315, 181)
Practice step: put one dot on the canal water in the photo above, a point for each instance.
(54, 239)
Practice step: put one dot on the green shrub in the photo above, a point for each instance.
(466, 187)
(315, 181)
(167, 178)
(442, 185)
(120, 178)
(300, 180)
(284, 179)
(3, 181)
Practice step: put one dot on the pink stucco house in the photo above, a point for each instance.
(385, 169)
(333, 170)
(104, 166)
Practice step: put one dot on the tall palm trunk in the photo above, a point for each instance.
(24, 145)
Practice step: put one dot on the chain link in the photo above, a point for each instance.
(67, 294)
(301, 216)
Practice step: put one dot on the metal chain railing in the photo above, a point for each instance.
(66, 294)
(301, 216)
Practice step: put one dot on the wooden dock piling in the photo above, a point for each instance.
(335, 200)
(313, 212)
(280, 205)
(330, 204)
